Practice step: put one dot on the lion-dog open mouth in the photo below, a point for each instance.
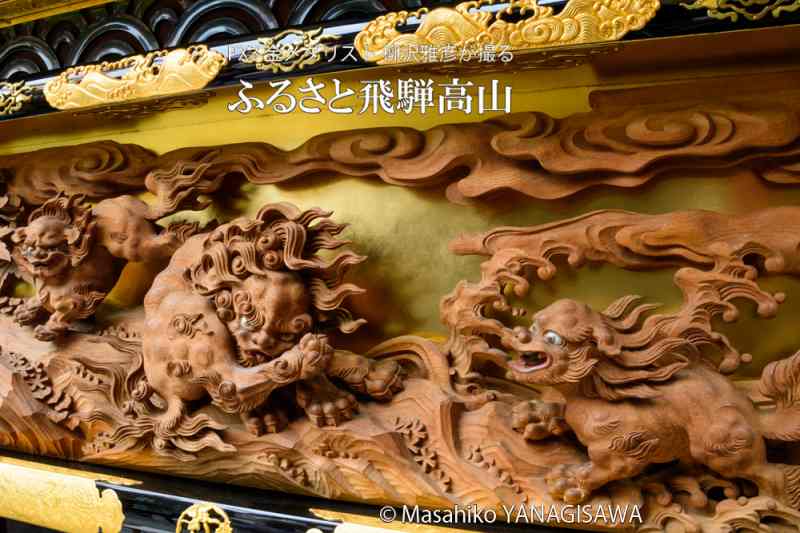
(530, 362)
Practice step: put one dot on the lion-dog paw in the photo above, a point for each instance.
(316, 354)
(265, 420)
(27, 315)
(324, 403)
(538, 420)
(384, 380)
(46, 334)
(564, 483)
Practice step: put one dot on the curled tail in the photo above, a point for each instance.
(163, 245)
(780, 382)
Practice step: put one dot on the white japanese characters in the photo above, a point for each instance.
(377, 96)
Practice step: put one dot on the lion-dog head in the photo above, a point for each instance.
(612, 355)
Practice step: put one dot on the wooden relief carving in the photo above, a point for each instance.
(72, 254)
(228, 368)
(530, 153)
(642, 388)
(96, 170)
(232, 369)
(241, 309)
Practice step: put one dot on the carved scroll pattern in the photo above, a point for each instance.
(529, 153)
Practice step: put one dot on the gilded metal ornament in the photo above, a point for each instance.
(749, 9)
(290, 50)
(155, 74)
(13, 96)
(204, 518)
(449, 31)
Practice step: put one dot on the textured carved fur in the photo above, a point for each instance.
(636, 395)
(58, 253)
(73, 255)
(233, 317)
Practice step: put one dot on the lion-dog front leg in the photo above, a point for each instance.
(612, 458)
(246, 390)
(379, 380)
(327, 405)
(538, 420)
(66, 310)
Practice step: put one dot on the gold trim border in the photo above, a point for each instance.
(356, 523)
(52, 497)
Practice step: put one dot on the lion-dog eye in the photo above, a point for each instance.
(551, 337)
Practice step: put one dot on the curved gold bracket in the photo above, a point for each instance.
(464, 27)
(155, 74)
